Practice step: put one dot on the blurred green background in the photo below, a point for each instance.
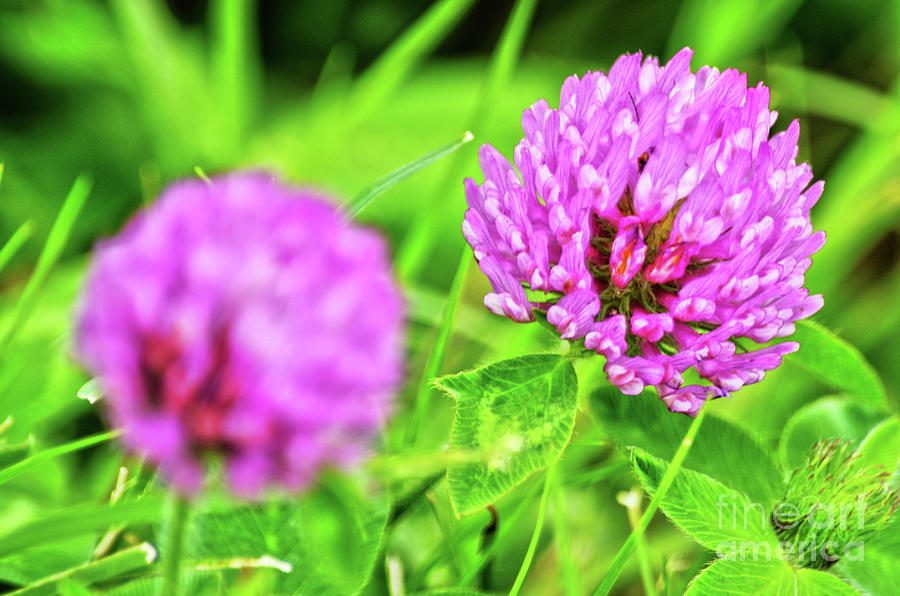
(336, 94)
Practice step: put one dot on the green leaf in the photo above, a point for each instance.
(129, 560)
(519, 413)
(727, 576)
(873, 568)
(665, 483)
(772, 577)
(330, 538)
(715, 515)
(504, 534)
(235, 70)
(435, 358)
(69, 588)
(38, 378)
(31, 565)
(361, 200)
(7, 474)
(837, 364)
(722, 31)
(51, 252)
(193, 582)
(815, 582)
(76, 521)
(862, 206)
(168, 84)
(413, 253)
(386, 74)
(825, 94)
(15, 242)
(722, 450)
(881, 447)
(452, 592)
(827, 418)
(14, 453)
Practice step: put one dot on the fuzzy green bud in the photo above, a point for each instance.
(832, 502)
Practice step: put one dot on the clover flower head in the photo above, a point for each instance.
(246, 319)
(653, 218)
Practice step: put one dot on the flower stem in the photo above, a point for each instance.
(632, 503)
(179, 512)
(615, 569)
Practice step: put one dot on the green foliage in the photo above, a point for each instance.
(838, 364)
(519, 413)
(37, 564)
(723, 31)
(15, 242)
(755, 558)
(827, 418)
(52, 251)
(10, 472)
(137, 96)
(451, 592)
(881, 447)
(722, 449)
(635, 539)
(362, 199)
(326, 541)
(834, 501)
(76, 521)
(710, 511)
(129, 560)
(383, 77)
(877, 571)
(770, 577)
(70, 588)
(201, 583)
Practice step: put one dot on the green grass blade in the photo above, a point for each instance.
(722, 31)
(72, 588)
(503, 62)
(632, 502)
(444, 521)
(568, 569)
(362, 199)
(169, 83)
(386, 74)
(535, 536)
(77, 521)
(615, 568)
(825, 94)
(421, 239)
(7, 474)
(857, 208)
(840, 365)
(126, 561)
(51, 252)
(507, 525)
(235, 69)
(15, 242)
(438, 349)
(874, 313)
(419, 244)
(201, 174)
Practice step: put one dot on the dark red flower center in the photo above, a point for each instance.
(202, 405)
